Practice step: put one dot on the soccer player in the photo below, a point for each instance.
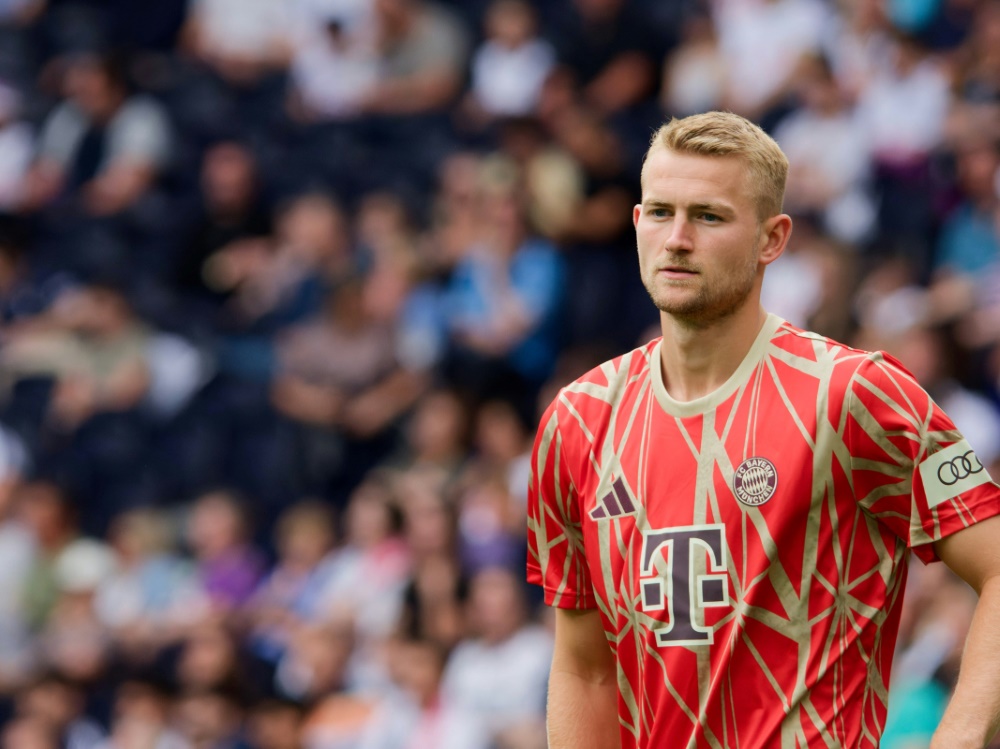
(722, 517)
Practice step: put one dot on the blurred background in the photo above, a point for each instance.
(285, 284)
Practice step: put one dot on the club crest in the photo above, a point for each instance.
(755, 481)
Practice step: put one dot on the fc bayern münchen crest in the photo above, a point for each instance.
(755, 481)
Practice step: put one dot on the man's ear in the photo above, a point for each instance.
(774, 235)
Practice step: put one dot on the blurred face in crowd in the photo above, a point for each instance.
(305, 534)
(417, 666)
(699, 237)
(313, 227)
(228, 176)
(216, 525)
(978, 168)
(208, 657)
(92, 89)
(496, 604)
(597, 10)
(369, 516)
(438, 427)
(275, 725)
(28, 733)
(510, 22)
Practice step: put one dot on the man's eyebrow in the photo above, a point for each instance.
(710, 208)
(720, 208)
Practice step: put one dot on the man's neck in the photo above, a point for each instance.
(697, 361)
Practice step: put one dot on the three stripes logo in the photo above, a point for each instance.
(614, 504)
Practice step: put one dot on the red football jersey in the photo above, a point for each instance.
(747, 550)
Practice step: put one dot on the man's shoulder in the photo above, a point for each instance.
(838, 363)
(611, 377)
(809, 345)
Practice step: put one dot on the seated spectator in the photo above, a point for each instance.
(970, 237)
(555, 183)
(304, 536)
(343, 384)
(490, 523)
(502, 303)
(421, 58)
(978, 60)
(29, 732)
(361, 583)
(437, 588)
(609, 49)
(902, 110)
(420, 714)
(695, 73)
(211, 656)
(59, 703)
(154, 596)
(510, 66)
(209, 718)
(141, 717)
(499, 675)
(16, 150)
(333, 66)
(102, 145)
(93, 345)
(21, 299)
(502, 446)
(218, 532)
(17, 551)
(436, 436)
(51, 517)
(272, 284)
(828, 174)
(275, 723)
(760, 74)
(316, 663)
(240, 41)
(74, 641)
(230, 210)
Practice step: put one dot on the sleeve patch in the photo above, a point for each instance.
(950, 472)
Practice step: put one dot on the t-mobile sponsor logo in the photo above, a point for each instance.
(683, 590)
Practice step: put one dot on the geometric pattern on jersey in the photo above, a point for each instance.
(767, 620)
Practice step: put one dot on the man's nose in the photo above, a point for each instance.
(680, 238)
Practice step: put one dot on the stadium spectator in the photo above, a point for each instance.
(509, 67)
(499, 673)
(16, 150)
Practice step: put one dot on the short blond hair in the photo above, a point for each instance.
(728, 134)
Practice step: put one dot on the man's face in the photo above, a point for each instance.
(698, 236)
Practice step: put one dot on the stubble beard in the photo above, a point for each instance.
(713, 302)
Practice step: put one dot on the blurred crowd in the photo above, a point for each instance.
(284, 285)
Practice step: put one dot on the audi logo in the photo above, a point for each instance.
(956, 469)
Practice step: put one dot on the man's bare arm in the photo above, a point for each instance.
(973, 715)
(583, 688)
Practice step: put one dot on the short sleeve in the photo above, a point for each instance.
(910, 466)
(556, 557)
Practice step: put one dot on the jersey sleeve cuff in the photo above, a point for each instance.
(982, 508)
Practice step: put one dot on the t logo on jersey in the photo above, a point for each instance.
(614, 504)
(682, 590)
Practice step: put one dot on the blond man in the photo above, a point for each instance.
(722, 518)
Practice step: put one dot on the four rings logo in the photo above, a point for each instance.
(952, 471)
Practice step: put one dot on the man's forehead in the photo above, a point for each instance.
(725, 177)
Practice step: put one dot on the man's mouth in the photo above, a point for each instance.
(678, 271)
